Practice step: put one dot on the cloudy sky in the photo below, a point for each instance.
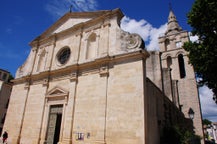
(24, 20)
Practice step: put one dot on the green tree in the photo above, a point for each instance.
(206, 122)
(203, 53)
(10, 78)
(179, 135)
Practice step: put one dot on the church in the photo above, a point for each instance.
(5, 92)
(86, 81)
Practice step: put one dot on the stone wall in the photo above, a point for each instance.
(161, 113)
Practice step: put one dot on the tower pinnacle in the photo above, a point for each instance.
(172, 25)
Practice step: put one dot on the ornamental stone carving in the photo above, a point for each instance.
(130, 41)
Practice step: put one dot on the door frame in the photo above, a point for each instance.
(56, 96)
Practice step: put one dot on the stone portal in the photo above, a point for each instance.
(54, 124)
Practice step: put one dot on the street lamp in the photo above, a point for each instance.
(191, 113)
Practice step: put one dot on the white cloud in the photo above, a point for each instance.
(208, 106)
(58, 8)
(148, 33)
(141, 27)
(154, 34)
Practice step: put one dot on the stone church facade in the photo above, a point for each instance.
(5, 92)
(88, 81)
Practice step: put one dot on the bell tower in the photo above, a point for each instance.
(182, 89)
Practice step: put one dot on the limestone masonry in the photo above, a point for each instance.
(86, 81)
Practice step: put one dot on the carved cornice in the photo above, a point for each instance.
(130, 42)
(177, 33)
(74, 76)
(104, 70)
(45, 82)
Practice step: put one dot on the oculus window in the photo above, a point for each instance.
(63, 55)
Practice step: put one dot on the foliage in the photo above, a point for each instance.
(206, 122)
(171, 135)
(10, 78)
(203, 53)
(178, 135)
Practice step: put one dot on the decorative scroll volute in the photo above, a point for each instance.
(130, 41)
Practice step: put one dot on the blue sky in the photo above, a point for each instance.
(24, 20)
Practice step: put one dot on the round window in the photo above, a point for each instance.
(64, 55)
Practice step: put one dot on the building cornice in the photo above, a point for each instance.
(177, 33)
(96, 66)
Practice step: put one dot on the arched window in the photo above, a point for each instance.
(41, 63)
(91, 46)
(181, 66)
(169, 61)
(167, 44)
